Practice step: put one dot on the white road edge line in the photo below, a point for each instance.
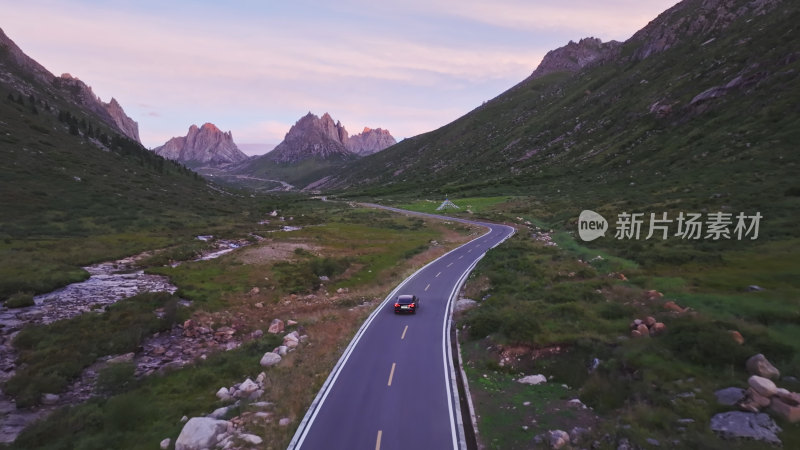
(319, 400)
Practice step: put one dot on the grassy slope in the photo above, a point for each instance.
(590, 139)
(69, 202)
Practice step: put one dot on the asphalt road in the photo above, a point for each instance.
(394, 386)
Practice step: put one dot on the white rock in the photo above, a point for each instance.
(219, 413)
(533, 379)
(270, 359)
(165, 443)
(201, 433)
(284, 422)
(248, 387)
(763, 386)
(293, 336)
(50, 399)
(261, 378)
(223, 394)
(251, 439)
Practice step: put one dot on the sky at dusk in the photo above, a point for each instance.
(255, 67)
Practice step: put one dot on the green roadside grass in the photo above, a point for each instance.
(540, 298)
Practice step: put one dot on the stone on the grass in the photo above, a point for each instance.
(759, 365)
(251, 439)
(785, 410)
(729, 396)
(737, 337)
(201, 433)
(276, 326)
(223, 394)
(762, 385)
(270, 359)
(165, 443)
(558, 438)
(737, 424)
(533, 379)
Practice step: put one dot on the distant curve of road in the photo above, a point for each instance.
(394, 386)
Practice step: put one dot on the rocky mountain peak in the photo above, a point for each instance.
(321, 137)
(575, 56)
(205, 145)
(371, 141)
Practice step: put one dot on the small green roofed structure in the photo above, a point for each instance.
(447, 204)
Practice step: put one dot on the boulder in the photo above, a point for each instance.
(758, 365)
(223, 394)
(165, 443)
(533, 379)
(753, 401)
(672, 306)
(650, 321)
(791, 398)
(762, 385)
(251, 439)
(201, 433)
(737, 337)
(785, 410)
(653, 295)
(737, 424)
(643, 330)
(219, 413)
(658, 328)
(729, 396)
(284, 422)
(276, 326)
(465, 304)
(291, 322)
(270, 359)
(248, 387)
(558, 439)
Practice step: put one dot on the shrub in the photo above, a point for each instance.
(20, 300)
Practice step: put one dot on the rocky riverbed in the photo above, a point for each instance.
(109, 282)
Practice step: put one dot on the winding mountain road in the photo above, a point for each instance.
(394, 386)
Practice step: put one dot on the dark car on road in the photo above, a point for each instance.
(406, 303)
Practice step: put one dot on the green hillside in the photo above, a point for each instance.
(75, 191)
(625, 133)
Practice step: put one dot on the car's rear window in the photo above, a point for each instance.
(405, 299)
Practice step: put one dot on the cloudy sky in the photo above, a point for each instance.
(256, 66)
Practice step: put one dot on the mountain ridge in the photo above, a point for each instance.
(205, 145)
(322, 138)
(660, 82)
(79, 92)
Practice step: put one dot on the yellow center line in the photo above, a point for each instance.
(426, 287)
(391, 375)
(449, 264)
(437, 275)
(404, 333)
(378, 442)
